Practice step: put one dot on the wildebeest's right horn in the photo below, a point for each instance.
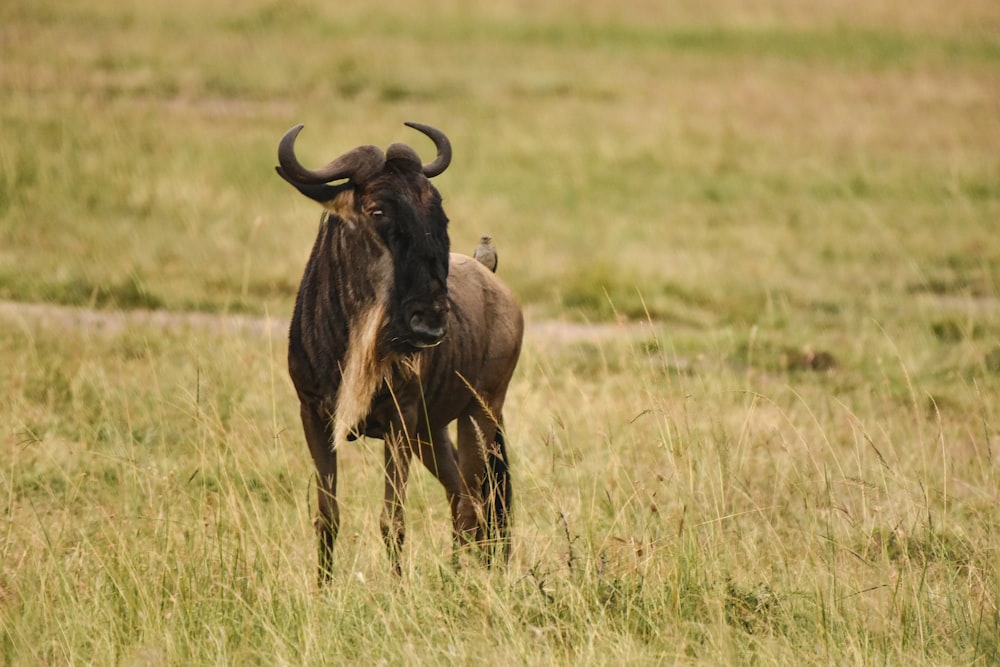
(358, 165)
(443, 159)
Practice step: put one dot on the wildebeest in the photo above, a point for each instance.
(392, 337)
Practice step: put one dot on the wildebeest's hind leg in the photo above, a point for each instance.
(397, 470)
(497, 499)
(319, 435)
(441, 460)
(476, 435)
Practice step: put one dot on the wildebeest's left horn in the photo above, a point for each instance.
(358, 165)
(443, 159)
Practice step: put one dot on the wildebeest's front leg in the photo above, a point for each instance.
(398, 455)
(319, 435)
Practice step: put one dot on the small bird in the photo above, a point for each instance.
(486, 253)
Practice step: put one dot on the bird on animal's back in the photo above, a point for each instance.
(486, 253)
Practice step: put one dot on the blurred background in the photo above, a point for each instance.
(698, 162)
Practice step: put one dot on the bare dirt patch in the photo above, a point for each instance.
(539, 332)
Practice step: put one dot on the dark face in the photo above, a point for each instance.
(387, 210)
(406, 211)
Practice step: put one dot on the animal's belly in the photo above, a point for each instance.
(428, 416)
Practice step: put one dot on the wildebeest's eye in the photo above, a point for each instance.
(377, 212)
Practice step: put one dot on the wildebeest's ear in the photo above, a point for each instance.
(321, 193)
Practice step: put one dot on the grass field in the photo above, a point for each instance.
(788, 454)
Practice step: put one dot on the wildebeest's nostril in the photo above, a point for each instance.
(428, 330)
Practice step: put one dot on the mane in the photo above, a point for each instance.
(363, 368)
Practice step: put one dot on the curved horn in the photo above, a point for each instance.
(443, 159)
(358, 165)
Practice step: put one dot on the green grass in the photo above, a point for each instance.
(729, 506)
(795, 464)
